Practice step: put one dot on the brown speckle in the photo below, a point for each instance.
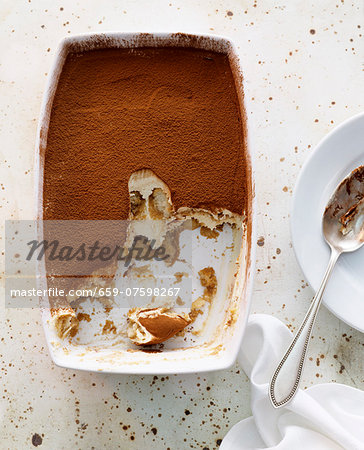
(260, 241)
(312, 31)
(229, 13)
(83, 316)
(109, 327)
(36, 440)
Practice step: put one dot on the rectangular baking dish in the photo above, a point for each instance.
(213, 354)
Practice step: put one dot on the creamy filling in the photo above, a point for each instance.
(150, 200)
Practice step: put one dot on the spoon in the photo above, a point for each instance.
(343, 230)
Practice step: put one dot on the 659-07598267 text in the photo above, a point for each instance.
(98, 292)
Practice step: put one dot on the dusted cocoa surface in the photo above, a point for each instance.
(172, 110)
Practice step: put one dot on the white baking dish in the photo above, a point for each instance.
(219, 351)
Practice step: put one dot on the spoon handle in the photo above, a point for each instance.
(287, 375)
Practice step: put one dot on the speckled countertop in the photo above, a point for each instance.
(302, 69)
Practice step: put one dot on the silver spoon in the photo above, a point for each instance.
(343, 230)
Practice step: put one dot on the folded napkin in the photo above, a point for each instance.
(325, 416)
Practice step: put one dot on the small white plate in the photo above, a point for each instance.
(336, 156)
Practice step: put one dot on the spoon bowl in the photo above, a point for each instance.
(342, 222)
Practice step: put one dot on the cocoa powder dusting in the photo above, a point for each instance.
(172, 110)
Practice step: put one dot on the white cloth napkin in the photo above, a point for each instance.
(324, 416)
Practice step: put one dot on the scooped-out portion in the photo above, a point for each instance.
(154, 137)
(154, 326)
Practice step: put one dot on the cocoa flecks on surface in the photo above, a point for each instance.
(37, 440)
(173, 110)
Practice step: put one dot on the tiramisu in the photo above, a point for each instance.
(145, 133)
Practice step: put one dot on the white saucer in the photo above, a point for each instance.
(336, 156)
